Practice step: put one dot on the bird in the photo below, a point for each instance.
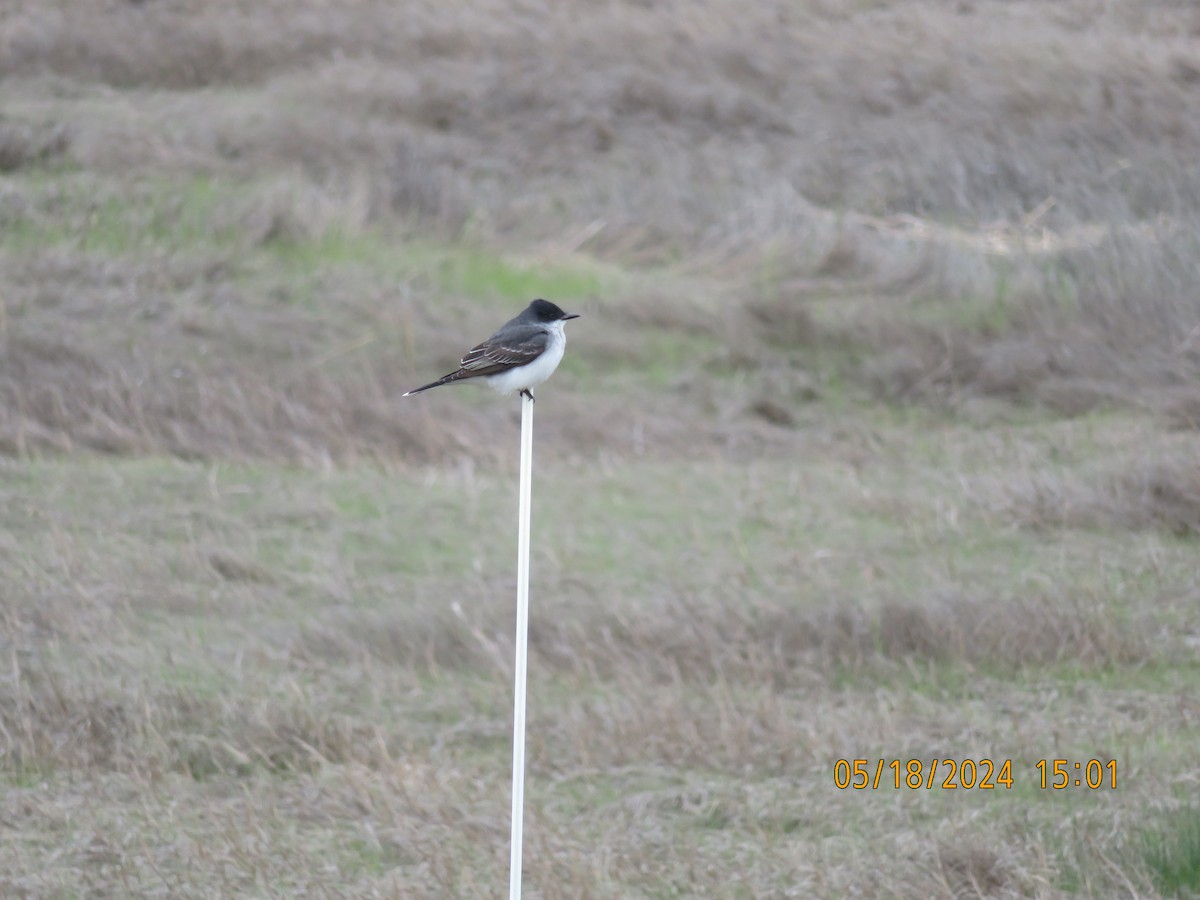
(522, 353)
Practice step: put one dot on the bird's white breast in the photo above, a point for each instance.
(533, 374)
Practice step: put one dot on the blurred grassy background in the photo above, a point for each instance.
(877, 439)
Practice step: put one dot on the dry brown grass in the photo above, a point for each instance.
(24, 144)
(254, 668)
(1047, 184)
(740, 640)
(61, 400)
(862, 448)
(1157, 491)
(832, 109)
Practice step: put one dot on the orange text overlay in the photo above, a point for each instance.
(971, 774)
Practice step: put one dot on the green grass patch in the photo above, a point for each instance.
(464, 270)
(26, 774)
(200, 681)
(114, 219)
(160, 213)
(372, 858)
(1170, 851)
(481, 273)
(1165, 674)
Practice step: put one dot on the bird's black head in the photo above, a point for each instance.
(548, 312)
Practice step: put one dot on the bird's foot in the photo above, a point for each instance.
(528, 393)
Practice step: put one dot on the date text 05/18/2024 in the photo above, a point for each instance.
(970, 774)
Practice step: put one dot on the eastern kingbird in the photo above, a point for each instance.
(518, 357)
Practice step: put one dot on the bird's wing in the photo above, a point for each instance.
(494, 356)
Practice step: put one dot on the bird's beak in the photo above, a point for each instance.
(570, 316)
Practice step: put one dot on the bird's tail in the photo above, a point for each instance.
(445, 379)
(425, 387)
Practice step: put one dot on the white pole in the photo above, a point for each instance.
(522, 655)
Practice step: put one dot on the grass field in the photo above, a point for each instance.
(877, 440)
